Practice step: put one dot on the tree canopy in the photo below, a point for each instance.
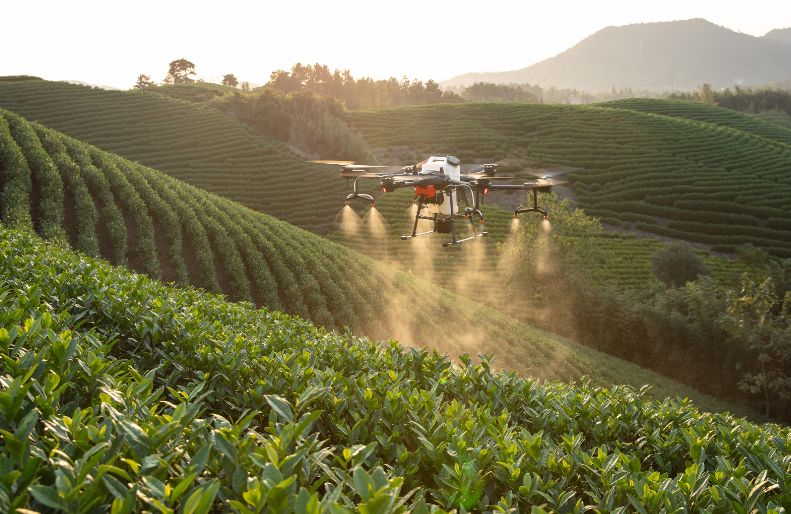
(677, 264)
(180, 71)
(229, 79)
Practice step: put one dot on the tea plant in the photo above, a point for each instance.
(118, 393)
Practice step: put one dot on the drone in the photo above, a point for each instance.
(440, 185)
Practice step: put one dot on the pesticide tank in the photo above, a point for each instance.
(449, 166)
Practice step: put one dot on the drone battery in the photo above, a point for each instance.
(443, 226)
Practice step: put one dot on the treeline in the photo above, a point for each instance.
(362, 93)
(310, 122)
(747, 100)
(529, 93)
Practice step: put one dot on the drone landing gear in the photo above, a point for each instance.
(535, 208)
(445, 224)
(460, 241)
(355, 195)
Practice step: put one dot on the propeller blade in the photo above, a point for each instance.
(544, 174)
(363, 166)
(334, 163)
(489, 177)
(543, 182)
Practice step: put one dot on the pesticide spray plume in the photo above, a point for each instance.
(349, 221)
(471, 275)
(378, 232)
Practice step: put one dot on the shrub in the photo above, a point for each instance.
(677, 264)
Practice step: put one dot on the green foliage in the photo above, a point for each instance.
(230, 80)
(144, 82)
(121, 394)
(763, 320)
(17, 182)
(676, 264)
(488, 92)
(362, 93)
(203, 147)
(180, 71)
(311, 123)
(49, 210)
(679, 169)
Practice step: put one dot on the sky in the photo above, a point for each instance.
(111, 42)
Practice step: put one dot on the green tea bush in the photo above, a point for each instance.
(121, 394)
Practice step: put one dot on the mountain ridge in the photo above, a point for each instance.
(661, 56)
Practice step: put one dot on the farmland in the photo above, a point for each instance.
(669, 176)
(200, 146)
(106, 206)
(126, 123)
(124, 394)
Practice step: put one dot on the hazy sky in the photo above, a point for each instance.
(111, 42)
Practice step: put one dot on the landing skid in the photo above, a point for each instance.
(460, 241)
(404, 238)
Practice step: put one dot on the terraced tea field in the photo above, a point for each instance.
(312, 199)
(106, 206)
(706, 113)
(122, 394)
(666, 175)
(202, 147)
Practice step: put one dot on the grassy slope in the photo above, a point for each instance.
(203, 147)
(122, 394)
(308, 275)
(671, 176)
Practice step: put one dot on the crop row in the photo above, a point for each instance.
(202, 239)
(203, 147)
(621, 160)
(122, 394)
(706, 113)
(198, 238)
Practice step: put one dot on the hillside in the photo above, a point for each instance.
(173, 400)
(203, 147)
(707, 113)
(621, 153)
(779, 35)
(129, 214)
(661, 174)
(671, 56)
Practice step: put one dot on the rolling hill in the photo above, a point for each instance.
(122, 394)
(655, 167)
(671, 176)
(779, 35)
(103, 205)
(203, 147)
(666, 56)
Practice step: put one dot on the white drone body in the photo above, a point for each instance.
(448, 166)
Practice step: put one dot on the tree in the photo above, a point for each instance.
(180, 72)
(677, 264)
(144, 82)
(230, 80)
(753, 317)
(706, 95)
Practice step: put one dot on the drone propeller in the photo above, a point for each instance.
(477, 176)
(544, 174)
(364, 166)
(333, 163)
(549, 182)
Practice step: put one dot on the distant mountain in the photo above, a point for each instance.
(781, 35)
(675, 55)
